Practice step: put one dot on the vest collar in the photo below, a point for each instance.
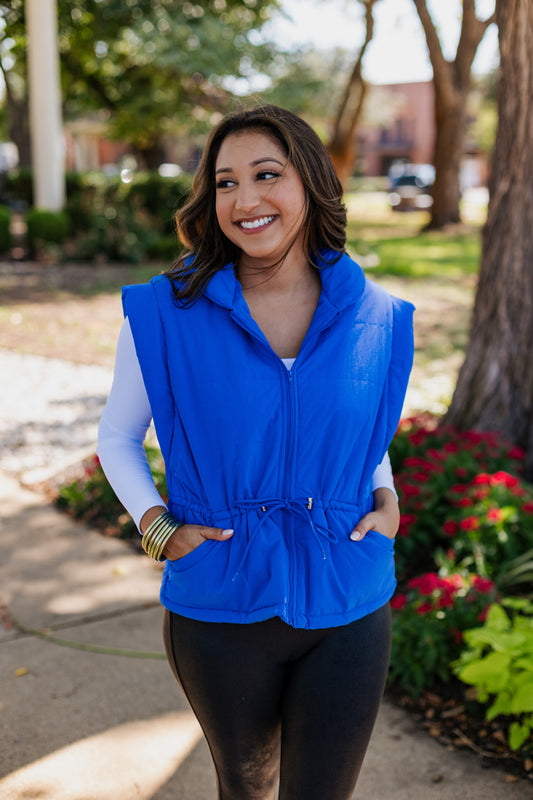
(342, 283)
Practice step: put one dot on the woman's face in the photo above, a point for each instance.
(260, 198)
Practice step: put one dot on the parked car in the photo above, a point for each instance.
(411, 190)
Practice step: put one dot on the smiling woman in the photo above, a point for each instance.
(260, 203)
(275, 374)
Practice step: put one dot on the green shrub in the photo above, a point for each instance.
(91, 498)
(498, 662)
(159, 197)
(46, 227)
(19, 186)
(5, 229)
(429, 619)
(124, 222)
(463, 502)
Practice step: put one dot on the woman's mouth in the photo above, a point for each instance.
(257, 224)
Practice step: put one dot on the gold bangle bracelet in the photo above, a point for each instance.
(158, 533)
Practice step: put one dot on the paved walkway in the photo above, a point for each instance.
(83, 723)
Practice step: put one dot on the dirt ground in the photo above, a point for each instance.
(73, 312)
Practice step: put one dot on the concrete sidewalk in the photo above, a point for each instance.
(83, 725)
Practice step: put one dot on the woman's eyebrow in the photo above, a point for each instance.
(253, 164)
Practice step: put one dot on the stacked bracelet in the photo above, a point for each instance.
(158, 533)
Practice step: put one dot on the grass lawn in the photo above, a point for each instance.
(436, 270)
(73, 311)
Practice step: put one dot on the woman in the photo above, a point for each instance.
(275, 374)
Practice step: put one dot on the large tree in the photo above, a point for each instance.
(495, 386)
(452, 82)
(14, 72)
(148, 65)
(342, 144)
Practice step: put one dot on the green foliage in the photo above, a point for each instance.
(499, 663)
(46, 227)
(19, 187)
(465, 529)
(149, 64)
(124, 222)
(428, 622)
(5, 229)
(463, 502)
(92, 499)
(160, 197)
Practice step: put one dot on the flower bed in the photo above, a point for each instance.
(464, 547)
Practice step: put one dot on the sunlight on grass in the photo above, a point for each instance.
(392, 243)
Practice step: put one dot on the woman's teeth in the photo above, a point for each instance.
(257, 223)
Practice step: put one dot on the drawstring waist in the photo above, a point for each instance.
(300, 509)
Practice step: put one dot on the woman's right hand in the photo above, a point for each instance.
(188, 537)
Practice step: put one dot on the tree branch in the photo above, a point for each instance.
(441, 67)
(355, 79)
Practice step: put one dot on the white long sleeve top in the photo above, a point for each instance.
(123, 426)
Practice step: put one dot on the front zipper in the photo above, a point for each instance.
(289, 383)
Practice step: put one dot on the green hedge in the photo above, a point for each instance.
(46, 227)
(5, 229)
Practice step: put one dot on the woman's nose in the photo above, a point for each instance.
(248, 197)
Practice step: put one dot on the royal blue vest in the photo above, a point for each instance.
(285, 458)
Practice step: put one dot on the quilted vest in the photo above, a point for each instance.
(285, 458)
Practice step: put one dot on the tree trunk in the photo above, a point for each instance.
(495, 386)
(452, 80)
(18, 120)
(19, 130)
(448, 152)
(342, 146)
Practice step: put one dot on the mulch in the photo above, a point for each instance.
(450, 715)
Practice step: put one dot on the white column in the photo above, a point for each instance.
(45, 105)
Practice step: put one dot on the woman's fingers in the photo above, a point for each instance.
(188, 537)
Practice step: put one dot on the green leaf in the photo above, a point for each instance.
(518, 735)
(522, 700)
(491, 672)
(502, 705)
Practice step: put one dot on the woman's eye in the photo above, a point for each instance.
(225, 183)
(267, 175)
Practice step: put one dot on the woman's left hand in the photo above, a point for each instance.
(385, 518)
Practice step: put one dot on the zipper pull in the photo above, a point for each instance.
(309, 503)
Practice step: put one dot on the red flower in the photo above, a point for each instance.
(527, 508)
(416, 461)
(458, 488)
(461, 472)
(482, 479)
(421, 477)
(426, 584)
(436, 454)
(446, 601)
(399, 601)
(464, 502)
(451, 447)
(456, 634)
(516, 452)
(450, 527)
(483, 585)
(453, 582)
(424, 608)
(469, 524)
(505, 479)
(406, 520)
(410, 490)
(495, 515)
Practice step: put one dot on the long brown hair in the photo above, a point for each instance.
(208, 249)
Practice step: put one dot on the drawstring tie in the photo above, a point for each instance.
(298, 508)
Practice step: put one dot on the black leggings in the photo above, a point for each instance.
(277, 702)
